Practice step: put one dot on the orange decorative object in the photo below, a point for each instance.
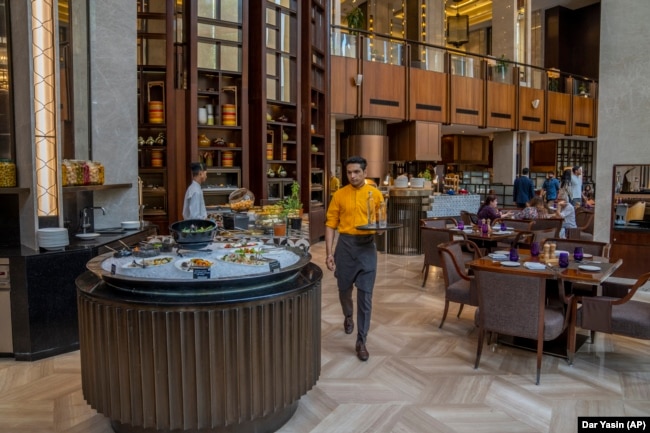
(227, 158)
(204, 141)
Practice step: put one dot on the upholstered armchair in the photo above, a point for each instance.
(620, 316)
(515, 305)
(459, 285)
(431, 237)
(437, 222)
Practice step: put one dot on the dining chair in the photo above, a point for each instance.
(459, 285)
(431, 237)
(594, 248)
(515, 305)
(438, 222)
(585, 226)
(468, 218)
(621, 316)
(547, 228)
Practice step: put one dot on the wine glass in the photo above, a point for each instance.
(578, 254)
(564, 260)
(534, 249)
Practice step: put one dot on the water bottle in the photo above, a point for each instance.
(381, 214)
(372, 216)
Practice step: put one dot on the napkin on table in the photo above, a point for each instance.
(534, 265)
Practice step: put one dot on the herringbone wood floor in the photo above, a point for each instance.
(419, 378)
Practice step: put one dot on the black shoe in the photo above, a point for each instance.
(362, 352)
(348, 325)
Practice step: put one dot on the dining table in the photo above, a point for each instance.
(488, 240)
(593, 270)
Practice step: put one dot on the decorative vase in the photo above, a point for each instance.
(314, 148)
(282, 172)
(285, 136)
(204, 141)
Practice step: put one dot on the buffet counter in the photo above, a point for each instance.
(446, 205)
(220, 354)
(43, 293)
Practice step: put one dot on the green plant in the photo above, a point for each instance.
(553, 84)
(355, 19)
(582, 89)
(502, 64)
(292, 203)
(426, 174)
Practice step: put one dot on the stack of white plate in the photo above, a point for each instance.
(53, 238)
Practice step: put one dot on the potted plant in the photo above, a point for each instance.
(292, 207)
(426, 175)
(355, 20)
(501, 70)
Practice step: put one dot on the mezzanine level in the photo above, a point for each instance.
(376, 76)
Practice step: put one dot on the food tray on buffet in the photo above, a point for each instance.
(217, 268)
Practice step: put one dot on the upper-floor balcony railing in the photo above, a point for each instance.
(465, 88)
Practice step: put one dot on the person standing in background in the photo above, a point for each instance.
(354, 261)
(523, 190)
(576, 186)
(550, 187)
(193, 204)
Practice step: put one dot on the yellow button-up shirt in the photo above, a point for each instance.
(349, 209)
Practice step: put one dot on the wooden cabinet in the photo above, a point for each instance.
(543, 155)
(155, 97)
(414, 141)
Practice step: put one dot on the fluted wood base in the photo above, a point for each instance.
(208, 366)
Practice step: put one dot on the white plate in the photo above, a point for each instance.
(130, 225)
(511, 264)
(589, 268)
(88, 235)
(149, 262)
(558, 252)
(505, 253)
(186, 264)
(587, 256)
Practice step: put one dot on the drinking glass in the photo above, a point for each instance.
(564, 260)
(578, 254)
(534, 249)
(484, 229)
(503, 227)
(461, 225)
(381, 214)
(514, 255)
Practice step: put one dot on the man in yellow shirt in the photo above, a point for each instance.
(355, 260)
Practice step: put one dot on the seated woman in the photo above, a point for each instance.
(489, 211)
(566, 211)
(534, 209)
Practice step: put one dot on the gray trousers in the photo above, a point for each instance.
(356, 265)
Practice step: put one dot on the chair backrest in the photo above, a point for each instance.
(520, 225)
(468, 218)
(437, 222)
(590, 247)
(585, 220)
(432, 237)
(511, 304)
(547, 233)
(453, 259)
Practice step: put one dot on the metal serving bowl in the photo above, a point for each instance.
(193, 231)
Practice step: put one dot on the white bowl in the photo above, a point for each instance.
(417, 182)
(130, 225)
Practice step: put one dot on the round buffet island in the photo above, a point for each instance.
(176, 350)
